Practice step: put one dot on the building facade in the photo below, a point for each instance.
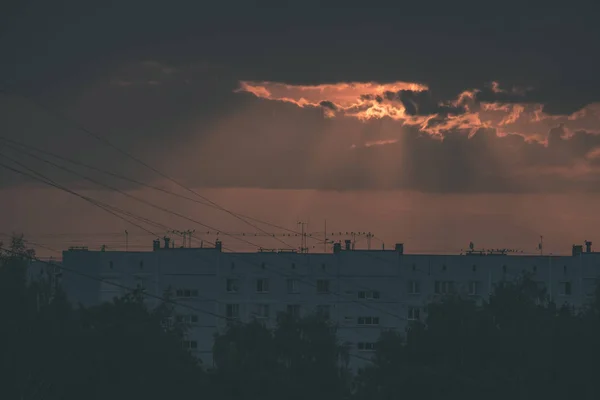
(362, 291)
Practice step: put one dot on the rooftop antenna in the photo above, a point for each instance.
(190, 233)
(541, 245)
(369, 236)
(325, 238)
(303, 248)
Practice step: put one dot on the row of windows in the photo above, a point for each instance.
(413, 266)
(232, 311)
(187, 319)
(262, 285)
(187, 293)
(323, 285)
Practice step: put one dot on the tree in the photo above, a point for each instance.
(120, 350)
(300, 358)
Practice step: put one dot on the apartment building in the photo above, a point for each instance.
(362, 291)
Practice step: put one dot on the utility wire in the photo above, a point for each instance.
(137, 182)
(131, 156)
(146, 294)
(144, 201)
(94, 202)
(274, 270)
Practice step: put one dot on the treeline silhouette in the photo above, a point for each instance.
(515, 345)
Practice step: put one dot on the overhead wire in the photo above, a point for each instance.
(110, 144)
(274, 270)
(137, 182)
(130, 289)
(142, 200)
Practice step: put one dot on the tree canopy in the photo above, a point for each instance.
(515, 344)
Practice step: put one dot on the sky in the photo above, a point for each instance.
(426, 130)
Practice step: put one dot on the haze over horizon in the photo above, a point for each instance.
(431, 131)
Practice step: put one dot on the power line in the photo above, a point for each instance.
(97, 203)
(141, 200)
(286, 275)
(225, 233)
(125, 153)
(145, 294)
(124, 287)
(131, 180)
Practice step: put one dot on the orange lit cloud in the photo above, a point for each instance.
(411, 104)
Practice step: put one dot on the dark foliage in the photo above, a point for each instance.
(516, 344)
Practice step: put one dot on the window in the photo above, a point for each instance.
(444, 267)
(110, 264)
(292, 286)
(294, 310)
(233, 285)
(323, 310)
(368, 320)
(414, 287)
(232, 311)
(190, 344)
(589, 286)
(368, 294)
(142, 264)
(186, 293)
(414, 313)
(262, 285)
(473, 288)
(187, 319)
(474, 267)
(565, 288)
(348, 320)
(261, 311)
(444, 287)
(322, 286)
(365, 346)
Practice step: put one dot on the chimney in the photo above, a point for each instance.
(155, 244)
(588, 246)
(577, 250)
(218, 245)
(337, 247)
(400, 248)
(167, 242)
(348, 243)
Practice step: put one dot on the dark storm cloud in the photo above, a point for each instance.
(422, 103)
(328, 104)
(153, 79)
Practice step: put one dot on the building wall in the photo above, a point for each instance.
(368, 290)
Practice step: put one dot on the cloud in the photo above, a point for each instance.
(513, 110)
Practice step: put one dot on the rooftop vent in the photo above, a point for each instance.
(337, 247)
(400, 248)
